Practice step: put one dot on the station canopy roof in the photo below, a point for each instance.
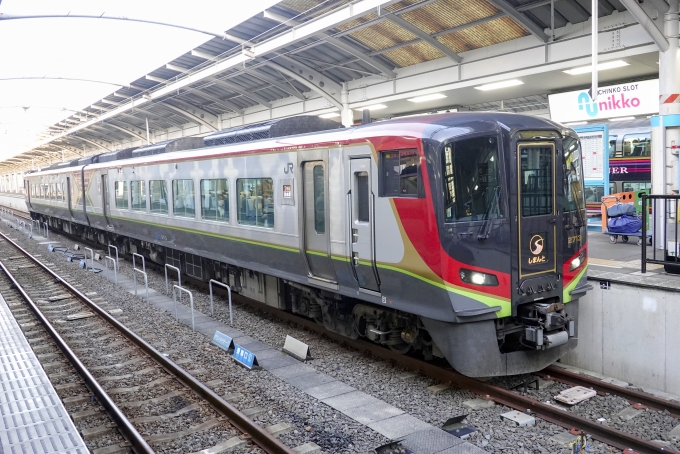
(303, 49)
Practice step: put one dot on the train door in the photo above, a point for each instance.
(27, 188)
(68, 195)
(106, 209)
(362, 224)
(537, 210)
(315, 217)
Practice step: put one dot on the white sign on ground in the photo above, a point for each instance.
(636, 98)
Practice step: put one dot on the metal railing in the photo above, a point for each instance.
(191, 301)
(146, 281)
(112, 246)
(663, 211)
(134, 265)
(179, 279)
(212, 309)
(91, 259)
(115, 268)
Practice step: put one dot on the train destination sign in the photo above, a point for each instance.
(635, 98)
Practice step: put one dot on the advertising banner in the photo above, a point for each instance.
(636, 98)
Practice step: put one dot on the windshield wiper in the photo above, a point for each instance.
(485, 228)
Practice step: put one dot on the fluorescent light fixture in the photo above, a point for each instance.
(497, 85)
(424, 98)
(600, 67)
(374, 107)
(622, 119)
(576, 123)
(330, 115)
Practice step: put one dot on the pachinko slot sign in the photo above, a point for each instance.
(632, 99)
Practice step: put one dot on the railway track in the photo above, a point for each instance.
(154, 403)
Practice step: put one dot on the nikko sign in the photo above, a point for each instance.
(637, 98)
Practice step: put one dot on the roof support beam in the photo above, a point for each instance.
(126, 131)
(91, 142)
(185, 111)
(323, 91)
(403, 23)
(339, 43)
(440, 33)
(523, 20)
(216, 100)
(646, 22)
(248, 94)
(270, 80)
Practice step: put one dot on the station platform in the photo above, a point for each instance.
(33, 418)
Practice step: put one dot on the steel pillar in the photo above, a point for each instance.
(666, 126)
(347, 115)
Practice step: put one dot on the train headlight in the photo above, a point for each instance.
(477, 278)
(578, 261)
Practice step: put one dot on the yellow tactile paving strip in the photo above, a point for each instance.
(635, 264)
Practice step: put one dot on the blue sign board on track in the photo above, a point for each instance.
(223, 341)
(244, 357)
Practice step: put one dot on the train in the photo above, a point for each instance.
(459, 236)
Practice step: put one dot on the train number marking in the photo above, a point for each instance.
(288, 169)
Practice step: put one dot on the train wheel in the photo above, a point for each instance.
(402, 348)
(613, 238)
(624, 238)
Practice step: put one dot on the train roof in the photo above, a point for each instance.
(421, 127)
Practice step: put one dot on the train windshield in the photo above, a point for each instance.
(573, 175)
(471, 180)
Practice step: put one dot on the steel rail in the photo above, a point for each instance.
(639, 397)
(258, 435)
(550, 413)
(127, 429)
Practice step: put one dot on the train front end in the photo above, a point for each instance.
(513, 223)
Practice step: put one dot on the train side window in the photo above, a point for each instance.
(612, 146)
(60, 192)
(612, 188)
(255, 202)
(635, 186)
(319, 200)
(637, 144)
(400, 171)
(121, 194)
(183, 198)
(471, 180)
(53, 191)
(158, 193)
(363, 197)
(215, 200)
(138, 195)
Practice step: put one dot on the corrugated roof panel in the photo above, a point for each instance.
(443, 14)
(412, 54)
(358, 21)
(382, 35)
(299, 5)
(482, 35)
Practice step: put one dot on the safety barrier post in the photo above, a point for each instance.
(47, 231)
(146, 281)
(143, 262)
(191, 301)
(36, 221)
(212, 311)
(115, 268)
(91, 258)
(179, 279)
(112, 246)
